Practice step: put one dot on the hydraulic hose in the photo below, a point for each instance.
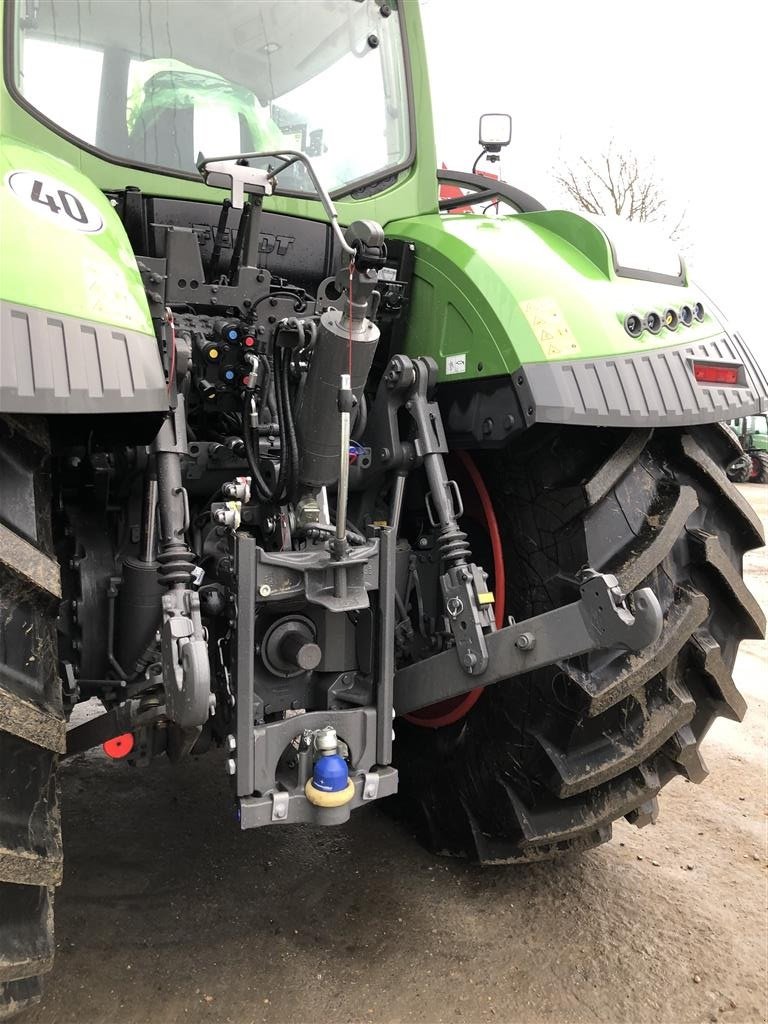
(260, 486)
(290, 440)
(287, 478)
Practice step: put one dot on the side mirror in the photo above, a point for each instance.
(495, 132)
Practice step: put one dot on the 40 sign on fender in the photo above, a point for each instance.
(56, 201)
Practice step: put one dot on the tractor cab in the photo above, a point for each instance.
(151, 87)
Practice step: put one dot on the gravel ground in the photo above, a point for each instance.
(168, 913)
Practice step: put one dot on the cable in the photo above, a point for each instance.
(290, 440)
(349, 343)
(281, 486)
(260, 485)
(362, 416)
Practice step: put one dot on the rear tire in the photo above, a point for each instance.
(740, 471)
(759, 467)
(543, 764)
(31, 715)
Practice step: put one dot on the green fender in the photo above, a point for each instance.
(76, 336)
(70, 253)
(492, 293)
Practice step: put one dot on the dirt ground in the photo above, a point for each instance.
(168, 913)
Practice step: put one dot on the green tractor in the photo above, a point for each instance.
(364, 497)
(751, 466)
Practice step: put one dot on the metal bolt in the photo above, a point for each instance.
(422, 542)
(369, 790)
(230, 766)
(384, 454)
(487, 427)
(231, 744)
(526, 642)
(326, 740)
(280, 811)
(265, 590)
(469, 661)
(454, 607)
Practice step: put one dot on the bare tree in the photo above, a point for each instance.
(617, 183)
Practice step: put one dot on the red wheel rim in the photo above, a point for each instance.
(448, 712)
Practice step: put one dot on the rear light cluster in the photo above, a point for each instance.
(670, 319)
(716, 373)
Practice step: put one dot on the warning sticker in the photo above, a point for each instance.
(550, 327)
(456, 364)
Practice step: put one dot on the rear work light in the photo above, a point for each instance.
(716, 373)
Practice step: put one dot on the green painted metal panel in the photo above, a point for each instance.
(64, 248)
(527, 288)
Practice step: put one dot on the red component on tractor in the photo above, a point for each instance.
(119, 746)
(455, 191)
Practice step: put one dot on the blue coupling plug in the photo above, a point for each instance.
(331, 774)
(330, 785)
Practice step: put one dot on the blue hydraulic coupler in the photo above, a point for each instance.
(331, 773)
(330, 785)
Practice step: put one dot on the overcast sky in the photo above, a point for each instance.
(681, 83)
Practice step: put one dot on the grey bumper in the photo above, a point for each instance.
(52, 364)
(652, 389)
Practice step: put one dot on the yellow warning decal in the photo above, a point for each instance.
(550, 327)
(486, 598)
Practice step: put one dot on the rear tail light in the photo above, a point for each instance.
(716, 373)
